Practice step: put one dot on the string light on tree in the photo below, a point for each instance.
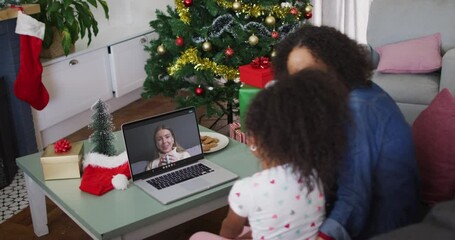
(199, 90)
(253, 40)
(188, 3)
(179, 41)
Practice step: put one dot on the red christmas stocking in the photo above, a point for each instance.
(28, 86)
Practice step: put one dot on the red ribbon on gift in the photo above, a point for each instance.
(62, 146)
(261, 62)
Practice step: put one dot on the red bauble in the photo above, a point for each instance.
(188, 3)
(275, 34)
(179, 41)
(308, 15)
(229, 52)
(294, 11)
(199, 90)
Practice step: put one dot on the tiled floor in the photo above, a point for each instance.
(13, 198)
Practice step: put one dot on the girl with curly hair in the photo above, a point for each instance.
(296, 129)
(378, 183)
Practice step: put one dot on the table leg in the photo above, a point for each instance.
(37, 201)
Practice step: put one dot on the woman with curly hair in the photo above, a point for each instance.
(378, 182)
(299, 147)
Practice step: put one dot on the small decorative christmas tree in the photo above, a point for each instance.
(201, 44)
(102, 126)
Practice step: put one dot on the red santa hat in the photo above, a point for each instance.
(103, 173)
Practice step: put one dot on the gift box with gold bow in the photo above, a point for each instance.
(258, 73)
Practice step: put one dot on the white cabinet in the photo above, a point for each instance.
(127, 62)
(74, 84)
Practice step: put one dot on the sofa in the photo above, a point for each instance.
(399, 21)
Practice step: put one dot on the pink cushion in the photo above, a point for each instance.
(421, 55)
(434, 137)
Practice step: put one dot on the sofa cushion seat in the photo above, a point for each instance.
(409, 88)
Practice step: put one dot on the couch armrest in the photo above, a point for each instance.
(373, 56)
(448, 71)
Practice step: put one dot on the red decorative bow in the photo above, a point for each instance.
(261, 62)
(62, 146)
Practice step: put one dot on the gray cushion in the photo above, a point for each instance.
(409, 88)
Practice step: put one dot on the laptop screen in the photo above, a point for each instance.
(162, 142)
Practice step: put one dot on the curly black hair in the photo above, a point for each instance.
(301, 121)
(342, 55)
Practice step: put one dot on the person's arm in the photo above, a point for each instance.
(352, 206)
(232, 225)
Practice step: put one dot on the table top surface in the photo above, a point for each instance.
(118, 212)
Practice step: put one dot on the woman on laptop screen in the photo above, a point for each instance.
(167, 148)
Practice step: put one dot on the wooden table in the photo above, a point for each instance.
(129, 214)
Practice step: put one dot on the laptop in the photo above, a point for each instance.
(170, 178)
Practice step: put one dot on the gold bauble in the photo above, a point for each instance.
(308, 8)
(206, 46)
(253, 40)
(273, 54)
(236, 6)
(270, 20)
(161, 50)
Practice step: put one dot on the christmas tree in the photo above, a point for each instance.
(102, 136)
(202, 43)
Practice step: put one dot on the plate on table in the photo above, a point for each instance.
(222, 141)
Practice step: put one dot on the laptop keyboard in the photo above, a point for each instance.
(179, 176)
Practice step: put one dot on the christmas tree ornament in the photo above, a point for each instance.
(210, 88)
(308, 8)
(273, 54)
(275, 34)
(294, 11)
(199, 90)
(160, 49)
(28, 86)
(270, 20)
(308, 15)
(229, 52)
(179, 41)
(236, 6)
(188, 3)
(253, 40)
(206, 46)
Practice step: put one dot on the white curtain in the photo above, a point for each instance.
(348, 16)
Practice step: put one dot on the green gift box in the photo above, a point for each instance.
(246, 95)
